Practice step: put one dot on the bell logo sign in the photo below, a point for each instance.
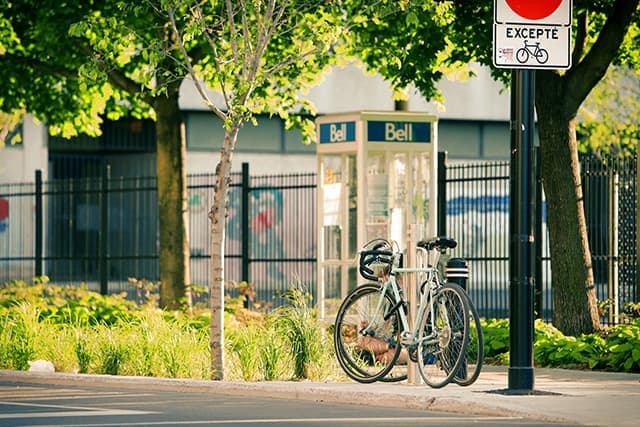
(532, 34)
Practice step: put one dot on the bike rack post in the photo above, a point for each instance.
(414, 234)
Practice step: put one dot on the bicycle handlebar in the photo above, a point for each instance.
(383, 259)
(368, 257)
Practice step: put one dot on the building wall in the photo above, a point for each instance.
(474, 121)
(19, 162)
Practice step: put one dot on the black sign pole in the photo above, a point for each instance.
(521, 209)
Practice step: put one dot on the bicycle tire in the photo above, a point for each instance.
(474, 354)
(394, 377)
(542, 56)
(522, 55)
(439, 359)
(360, 363)
(473, 358)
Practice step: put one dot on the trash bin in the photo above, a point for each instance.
(457, 272)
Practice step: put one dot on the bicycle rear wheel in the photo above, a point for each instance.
(474, 355)
(367, 343)
(443, 336)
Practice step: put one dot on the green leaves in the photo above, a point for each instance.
(608, 118)
(401, 42)
(617, 349)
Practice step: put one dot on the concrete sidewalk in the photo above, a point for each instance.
(579, 397)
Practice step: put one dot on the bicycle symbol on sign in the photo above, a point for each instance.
(533, 49)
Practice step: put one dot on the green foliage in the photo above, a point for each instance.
(624, 347)
(113, 350)
(496, 338)
(20, 330)
(260, 62)
(617, 349)
(260, 351)
(553, 349)
(608, 119)
(167, 343)
(10, 132)
(83, 351)
(288, 343)
(300, 328)
(403, 41)
(66, 304)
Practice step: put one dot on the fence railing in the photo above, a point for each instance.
(101, 231)
(477, 195)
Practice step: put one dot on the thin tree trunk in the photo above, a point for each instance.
(172, 201)
(574, 299)
(217, 216)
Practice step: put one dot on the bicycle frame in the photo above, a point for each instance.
(432, 281)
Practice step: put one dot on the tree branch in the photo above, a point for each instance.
(115, 76)
(39, 65)
(583, 76)
(581, 38)
(201, 90)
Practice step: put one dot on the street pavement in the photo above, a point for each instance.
(569, 396)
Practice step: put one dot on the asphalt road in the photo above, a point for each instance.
(24, 404)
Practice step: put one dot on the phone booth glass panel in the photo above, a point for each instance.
(376, 178)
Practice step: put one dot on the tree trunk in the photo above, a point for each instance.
(575, 308)
(217, 216)
(172, 200)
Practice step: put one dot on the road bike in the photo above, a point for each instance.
(533, 49)
(372, 332)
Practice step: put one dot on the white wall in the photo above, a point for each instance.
(350, 88)
(19, 162)
(261, 164)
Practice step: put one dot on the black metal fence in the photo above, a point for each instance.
(270, 234)
(477, 206)
(611, 201)
(101, 231)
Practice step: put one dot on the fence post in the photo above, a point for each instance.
(442, 193)
(103, 235)
(637, 295)
(38, 225)
(612, 257)
(245, 226)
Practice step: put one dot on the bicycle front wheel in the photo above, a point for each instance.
(366, 335)
(474, 355)
(443, 336)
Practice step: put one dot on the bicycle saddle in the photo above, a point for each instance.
(440, 243)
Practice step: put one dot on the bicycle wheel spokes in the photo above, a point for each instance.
(366, 342)
(474, 354)
(443, 336)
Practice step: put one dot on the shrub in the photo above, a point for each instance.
(20, 329)
(67, 304)
(299, 327)
(624, 347)
(617, 349)
(496, 340)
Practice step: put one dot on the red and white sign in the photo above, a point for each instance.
(532, 34)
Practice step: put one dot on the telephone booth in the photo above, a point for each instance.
(376, 177)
